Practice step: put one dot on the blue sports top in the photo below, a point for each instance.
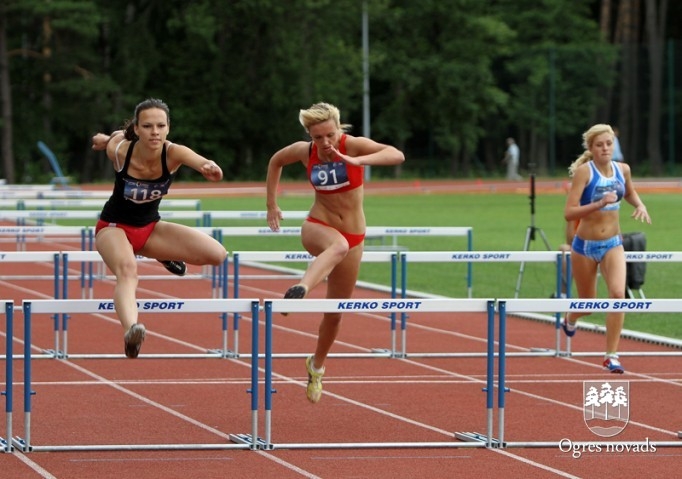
(600, 185)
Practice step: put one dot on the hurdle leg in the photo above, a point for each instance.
(5, 442)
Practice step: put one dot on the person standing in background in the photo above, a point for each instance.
(511, 158)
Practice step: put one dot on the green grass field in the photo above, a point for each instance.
(500, 223)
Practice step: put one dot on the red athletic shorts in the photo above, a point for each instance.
(137, 235)
(353, 239)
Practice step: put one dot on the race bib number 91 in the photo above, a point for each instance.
(329, 176)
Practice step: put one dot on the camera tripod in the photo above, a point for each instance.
(530, 233)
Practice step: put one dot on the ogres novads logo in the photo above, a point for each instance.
(606, 406)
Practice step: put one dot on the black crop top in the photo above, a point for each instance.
(136, 202)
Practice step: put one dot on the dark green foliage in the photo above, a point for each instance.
(450, 79)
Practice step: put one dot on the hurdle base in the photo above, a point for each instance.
(245, 438)
(543, 350)
(679, 434)
(476, 437)
(381, 351)
(5, 446)
(224, 353)
(21, 444)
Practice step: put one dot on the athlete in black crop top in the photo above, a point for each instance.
(130, 224)
(135, 201)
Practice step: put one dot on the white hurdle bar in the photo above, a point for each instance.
(564, 306)
(383, 305)
(218, 274)
(86, 306)
(7, 308)
(62, 233)
(256, 257)
(54, 203)
(463, 231)
(202, 218)
(48, 192)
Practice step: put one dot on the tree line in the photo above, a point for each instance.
(448, 80)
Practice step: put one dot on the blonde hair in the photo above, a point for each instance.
(588, 139)
(321, 112)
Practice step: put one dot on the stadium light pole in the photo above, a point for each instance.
(365, 81)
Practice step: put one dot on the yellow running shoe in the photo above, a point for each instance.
(314, 390)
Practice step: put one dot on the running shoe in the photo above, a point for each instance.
(176, 267)
(314, 390)
(613, 364)
(133, 340)
(297, 291)
(569, 329)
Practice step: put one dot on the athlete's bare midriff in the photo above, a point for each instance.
(342, 211)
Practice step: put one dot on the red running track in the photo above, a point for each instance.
(367, 400)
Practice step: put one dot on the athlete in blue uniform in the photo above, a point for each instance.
(599, 184)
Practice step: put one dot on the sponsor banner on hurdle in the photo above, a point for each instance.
(255, 215)
(50, 214)
(42, 230)
(28, 256)
(592, 305)
(257, 231)
(377, 305)
(481, 256)
(84, 203)
(144, 305)
(419, 230)
(653, 256)
(303, 256)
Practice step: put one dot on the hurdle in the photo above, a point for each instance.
(453, 231)
(218, 288)
(506, 306)
(42, 203)
(24, 191)
(630, 257)
(7, 308)
(53, 257)
(471, 257)
(252, 215)
(48, 192)
(218, 275)
(202, 218)
(22, 234)
(29, 308)
(257, 257)
(381, 305)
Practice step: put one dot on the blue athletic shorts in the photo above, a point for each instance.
(595, 249)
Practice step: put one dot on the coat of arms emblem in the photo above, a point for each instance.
(606, 406)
